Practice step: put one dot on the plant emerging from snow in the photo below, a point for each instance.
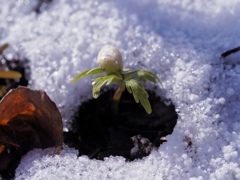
(110, 61)
(6, 74)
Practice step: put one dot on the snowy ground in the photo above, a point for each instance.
(179, 40)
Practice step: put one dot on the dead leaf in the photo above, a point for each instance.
(28, 119)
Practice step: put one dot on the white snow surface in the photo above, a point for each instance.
(180, 40)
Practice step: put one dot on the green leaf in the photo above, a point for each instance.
(141, 74)
(81, 75)
(135, 94)
(147, 75)
(146, 104)
(129, 74)
(114, 77)
(89, 72)
(97, 70)
(139, 94)
(10, 74)
(128, 87)
(98, 82)
(3, 47)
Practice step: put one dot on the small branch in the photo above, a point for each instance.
(231, 51)
(116, 98)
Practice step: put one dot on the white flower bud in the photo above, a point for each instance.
(110, 59)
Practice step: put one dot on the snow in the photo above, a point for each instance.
(179, 40)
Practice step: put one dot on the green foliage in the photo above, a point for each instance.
(139, 94)
(7, 74)
(88, 73)
(128, 78)
(142, 75)
(10, 74)
(98, 82)
(110, 60)
(3, 47)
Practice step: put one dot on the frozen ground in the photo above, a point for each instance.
(180, 40)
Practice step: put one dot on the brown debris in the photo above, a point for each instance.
(28, 119)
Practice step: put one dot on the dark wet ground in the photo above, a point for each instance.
(98, 133)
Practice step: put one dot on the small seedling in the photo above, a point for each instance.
(7, 74)
(110, 61)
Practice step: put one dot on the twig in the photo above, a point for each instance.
(231, 51)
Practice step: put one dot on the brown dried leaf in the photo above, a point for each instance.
(29, 119)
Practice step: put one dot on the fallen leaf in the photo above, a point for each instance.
(28, 119)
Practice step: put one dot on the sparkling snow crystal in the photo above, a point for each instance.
(180, 40)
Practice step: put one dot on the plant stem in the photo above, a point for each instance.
(116, 97)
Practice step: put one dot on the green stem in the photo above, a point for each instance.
(116, 97)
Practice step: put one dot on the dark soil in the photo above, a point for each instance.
(133, 134)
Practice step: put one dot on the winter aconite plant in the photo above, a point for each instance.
(110, 61)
